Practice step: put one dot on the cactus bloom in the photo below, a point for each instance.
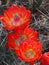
(29, 51)
(16, 17)
(45, 59)
(15, 39)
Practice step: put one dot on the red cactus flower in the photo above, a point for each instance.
(16, 17)
(20, 36)
(45, 59)
(29, 51)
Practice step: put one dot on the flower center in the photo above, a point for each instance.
(30, 53)
(16, 20)
(20, 40)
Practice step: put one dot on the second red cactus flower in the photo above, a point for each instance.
(20, 36)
